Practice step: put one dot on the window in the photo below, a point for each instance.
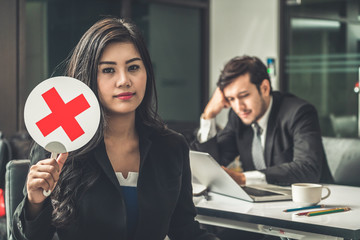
(321, 60)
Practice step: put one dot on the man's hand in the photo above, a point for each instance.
(239, 177)
(215, 105)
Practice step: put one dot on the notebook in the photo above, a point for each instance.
(207, 171)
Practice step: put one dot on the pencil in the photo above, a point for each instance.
(303, 208)
(328, 211)
(305, 213)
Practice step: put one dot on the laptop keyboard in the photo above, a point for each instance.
(258, 192)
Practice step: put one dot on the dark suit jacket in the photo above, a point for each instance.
(293, 146)
(164, 198)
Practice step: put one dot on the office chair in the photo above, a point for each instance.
(5, 157)
(343, 157)
(344, 126)
(15, 177)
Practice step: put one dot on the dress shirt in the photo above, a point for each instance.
(263, 122)
(129, 190)
(207, 131)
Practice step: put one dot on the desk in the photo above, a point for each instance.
(269, 218)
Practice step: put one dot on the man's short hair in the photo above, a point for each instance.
(238, 66)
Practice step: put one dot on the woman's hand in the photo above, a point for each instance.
(43, 176)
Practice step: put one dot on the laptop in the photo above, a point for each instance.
(207, 171)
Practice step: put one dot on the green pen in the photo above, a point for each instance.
(303, 208)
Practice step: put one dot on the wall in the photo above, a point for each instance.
(9, 65)
(248, 27)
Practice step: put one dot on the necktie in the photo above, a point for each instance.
(257, 150)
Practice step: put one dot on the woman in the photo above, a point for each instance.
(133, 180)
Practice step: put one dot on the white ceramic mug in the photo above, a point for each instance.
(308, 194)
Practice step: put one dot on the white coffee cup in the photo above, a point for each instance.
(308, 194)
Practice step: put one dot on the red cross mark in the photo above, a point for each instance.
(62, 114)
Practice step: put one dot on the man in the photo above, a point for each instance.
(277, 135)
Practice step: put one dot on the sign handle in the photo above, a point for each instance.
(47, 193)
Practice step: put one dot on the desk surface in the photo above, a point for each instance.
(343, 224)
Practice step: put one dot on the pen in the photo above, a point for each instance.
(323, 210)
(327, 211)
(303, 208)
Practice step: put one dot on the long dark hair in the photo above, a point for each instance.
(78, 174)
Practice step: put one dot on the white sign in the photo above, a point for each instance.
(62, 110)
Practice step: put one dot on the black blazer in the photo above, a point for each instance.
(293, 146)
(164, 198)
